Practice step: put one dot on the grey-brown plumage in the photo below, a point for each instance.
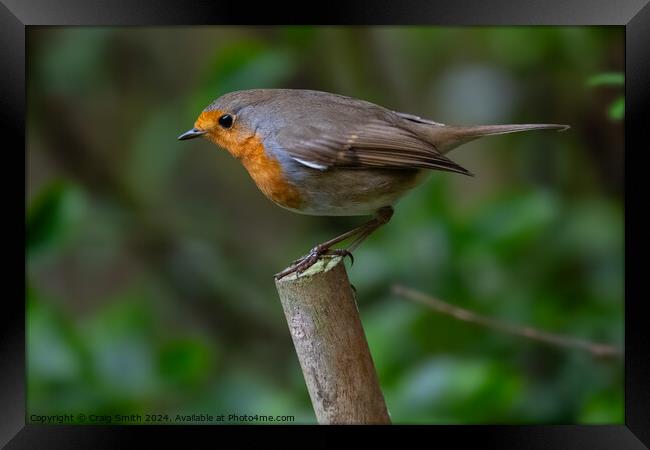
(323, 140)
(333, 131)
(327, 154)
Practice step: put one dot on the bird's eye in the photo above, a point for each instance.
(226, 121)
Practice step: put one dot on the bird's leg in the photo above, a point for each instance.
(382, 217)
(361, 232)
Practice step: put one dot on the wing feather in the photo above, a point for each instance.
(377, 144)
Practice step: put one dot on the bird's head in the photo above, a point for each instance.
(229, 121)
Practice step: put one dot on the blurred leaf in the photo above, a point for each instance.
(603, 409)
(52, 213)
(59, 371)
(247, 392)
(592, 229)
(387, 331)
(185, 361)
(121, 342)
(247, 65)
(617, 109)
(510, 222)
(607, 79)
(454, 390)
(53, 354)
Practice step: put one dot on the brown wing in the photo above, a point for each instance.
(376, 144)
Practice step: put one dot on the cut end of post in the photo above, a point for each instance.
(324, 264)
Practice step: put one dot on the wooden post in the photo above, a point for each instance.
(324, 322)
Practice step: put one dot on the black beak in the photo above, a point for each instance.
(193, 133)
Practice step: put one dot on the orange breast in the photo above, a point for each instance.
(268, 175)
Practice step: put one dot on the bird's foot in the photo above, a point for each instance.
(305, 262)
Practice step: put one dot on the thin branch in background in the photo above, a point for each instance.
(600, 350)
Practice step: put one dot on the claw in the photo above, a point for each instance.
(302, 264)
(284, 273)
(305, 262)
(345, 253)
(342, 252)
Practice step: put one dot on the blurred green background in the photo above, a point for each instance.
(150, 261)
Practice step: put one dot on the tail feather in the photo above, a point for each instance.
(447, 138)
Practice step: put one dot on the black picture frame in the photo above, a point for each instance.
(634, 15)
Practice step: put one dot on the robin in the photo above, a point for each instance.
(325, 154)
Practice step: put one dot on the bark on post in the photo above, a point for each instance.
(324, 322)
